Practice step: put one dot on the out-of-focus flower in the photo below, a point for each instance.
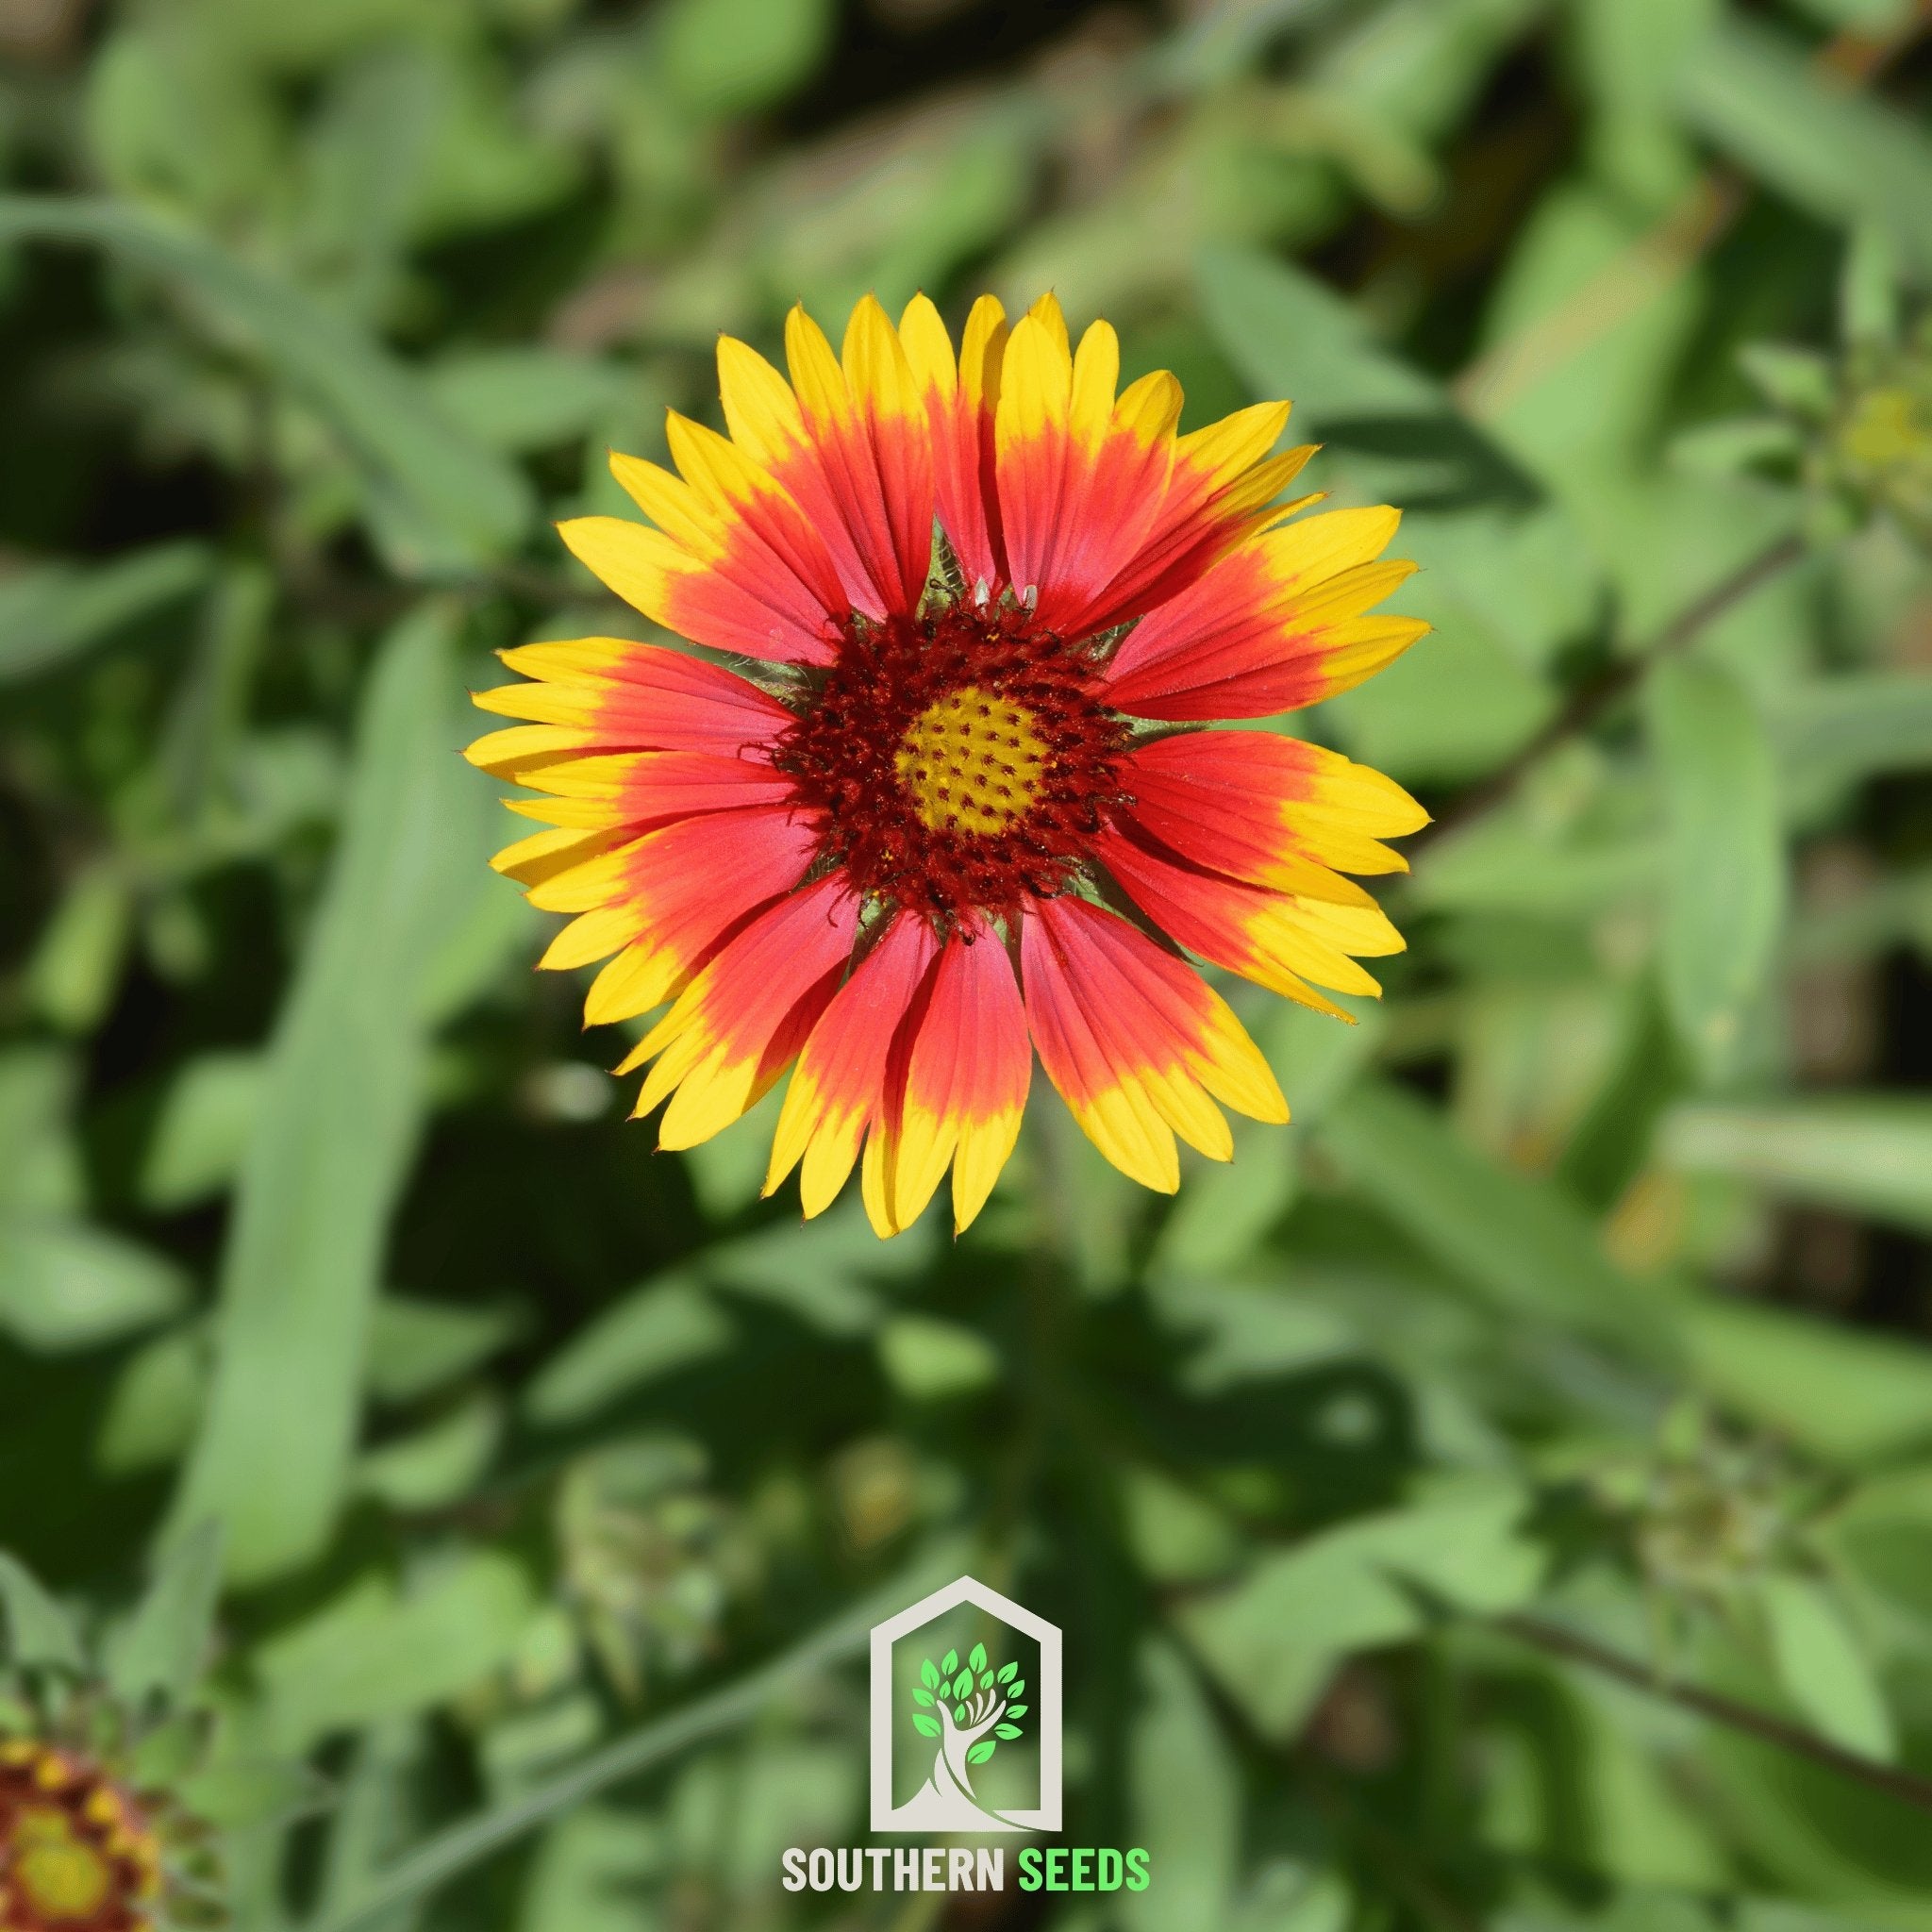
(651, 1558)
(1853, 428)
(954, 798)
(78, 1851)
(1708, 1514)
(1880, 449)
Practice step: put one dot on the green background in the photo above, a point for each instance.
(432, 1474)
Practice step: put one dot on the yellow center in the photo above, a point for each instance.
(974, 761)
(63, 1876)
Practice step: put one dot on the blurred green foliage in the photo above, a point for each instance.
(433, 1486)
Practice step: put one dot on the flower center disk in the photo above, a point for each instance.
(958, 761)
(974, 761)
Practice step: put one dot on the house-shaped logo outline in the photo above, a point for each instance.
(1045, 1816)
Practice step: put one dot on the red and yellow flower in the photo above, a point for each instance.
(77, 1852)
(948, 805)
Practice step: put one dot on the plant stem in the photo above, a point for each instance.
(449, 1853)
(1906, 1786)
(1589, 702)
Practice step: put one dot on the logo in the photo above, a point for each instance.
(946, 1711)
(965, 1743)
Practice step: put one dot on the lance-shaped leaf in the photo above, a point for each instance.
(445, 498)
(37, 1631)
(1724, 873)
(161, 1651)
(342, 1099)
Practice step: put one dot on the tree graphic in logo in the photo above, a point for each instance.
(937, 1741)
(970, 1708)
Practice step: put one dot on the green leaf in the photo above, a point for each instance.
(931, 1360)
(1290, 335)
(39, 1161)
(1007, 1673)
(923, 1697)
(416, 1347)
(83, 949)
(1016, 1711)
(589, 1871)
(372, 1654)
(1521, 1244)
(1725, 871)
(162, 1650)
(65, 1286)
(527, 399)
(820, 1270)
(156, 1401)
(1272, 1638)
(37, 1631)
(1844, 1395)
(928, 1676)
(1834, 731)
(1868, 288)
(1176, 1535)
(962, 1685)
(202, 1131)
(726, 56)
(1184, 1794)
(1820, 1663)
(925, 1726)
(657, 1329)
(1867, 1154)
(975, 1657)
(1007, 1731)
(1017, 1687)
(1800, 380)
(949, 1663)
(1835, 152)
(981, 1751)
(341, 1105)
(1736, 445)
(55, 613)
(455, 501)
(438, 1464)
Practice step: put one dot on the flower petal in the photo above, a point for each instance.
(668, 900)
(956, 1088)
(1221, 490)
(733, 595)
(961, 403)
(737, 1025)
(1280, 939)
(851, 447)
(1269, 809)
(1276, 625)
(1082, 475)
(837, 1089)
(649, 788)
(1135, 1042)
(615, 694)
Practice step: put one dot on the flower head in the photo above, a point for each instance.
(952, 805)
(77, 1852)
